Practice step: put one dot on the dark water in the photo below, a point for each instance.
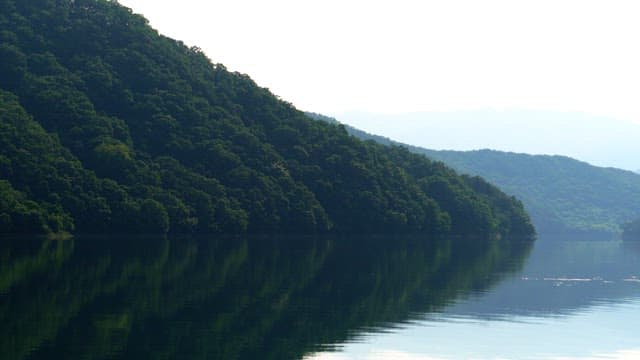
(315, 297)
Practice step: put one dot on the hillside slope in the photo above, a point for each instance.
(107, 126)
(561, 194)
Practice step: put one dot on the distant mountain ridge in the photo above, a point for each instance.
(560, 193)
(578, 135)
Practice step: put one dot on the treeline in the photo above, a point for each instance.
(562, 195)
(107, 126)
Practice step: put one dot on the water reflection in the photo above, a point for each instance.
(560, 278)
(598, 332)
(229, 298)
(572, 300)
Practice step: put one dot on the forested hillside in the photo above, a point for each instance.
(561, 194)
(107, 126)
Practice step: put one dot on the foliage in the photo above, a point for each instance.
(560, 193)
(108, 126)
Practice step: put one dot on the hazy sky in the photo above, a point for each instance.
(598, 140)
(405, 56)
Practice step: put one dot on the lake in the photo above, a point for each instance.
(316, 297)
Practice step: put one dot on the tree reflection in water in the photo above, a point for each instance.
(229, 297)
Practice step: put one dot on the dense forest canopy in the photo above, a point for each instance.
(561, 194)
(107, 126)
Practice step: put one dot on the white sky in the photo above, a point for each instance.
(405, 56)
(396, 56)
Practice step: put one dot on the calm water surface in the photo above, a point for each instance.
(573, 299)
(318, 298)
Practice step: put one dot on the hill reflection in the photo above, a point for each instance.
(228, 297)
